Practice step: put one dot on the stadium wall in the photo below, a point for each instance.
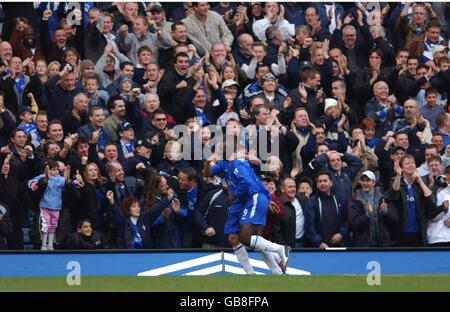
(201, 262)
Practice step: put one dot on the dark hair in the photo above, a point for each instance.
(125, 63)
(433, 23)
(112, 101)
(319, 145)
(151, 190)
(434, 158)
(92, 109)
(52, 164)
(126, 204)
(399, 133)
(422, 66)
(175, 24)
(144, 48)
(158, 111)
(284, 179)
(324, 172)
(80, 140)
(47, 145)
(306, 180)
(430, 91)
(400, 51)
(80, 224)
(180, 54)
(191, 173)
(337, 79)
(55, 122)
(261, 65)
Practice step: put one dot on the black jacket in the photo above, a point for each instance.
(361, 223)
(284, 232)
(59, 100)
(172, 99)
(426, 208)
(6, 228)
(124, 226)
(212, 212)
(95, 241)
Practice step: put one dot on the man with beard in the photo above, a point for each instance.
(24, 44)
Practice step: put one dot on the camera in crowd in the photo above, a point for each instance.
(441, 181)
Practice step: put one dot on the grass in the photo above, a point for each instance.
(230, 283)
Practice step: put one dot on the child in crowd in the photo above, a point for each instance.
(51, 202)
(27, 124)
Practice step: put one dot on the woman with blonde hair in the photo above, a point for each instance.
(90, 199)
(52, 69)
(274, 166)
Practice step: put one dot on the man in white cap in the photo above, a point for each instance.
(371, 214)
(333, 120)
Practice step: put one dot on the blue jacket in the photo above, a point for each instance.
(383, 117)
(124, 226)
(166, 233)
(88, 129)
(52, 198)
(313, 220)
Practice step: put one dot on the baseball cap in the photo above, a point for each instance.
(329, 103)
(305, 64)
(143, 142)
(123, 126)
(155, 7)
(229, 83)
(268, 76)
(126, 78)
(25, 109)
(369, 174)
(256, 3)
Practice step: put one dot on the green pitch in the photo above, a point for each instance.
(231, 283)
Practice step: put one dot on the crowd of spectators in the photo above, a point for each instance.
(351, 97)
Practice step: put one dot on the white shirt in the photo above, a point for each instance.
(332, 25)
(299, 219)
(437, 231)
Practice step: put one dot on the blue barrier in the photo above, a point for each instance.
(154, 263)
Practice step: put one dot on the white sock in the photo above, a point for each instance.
(262, 244)
(44, 239)
(242, 256)
(269, 259)
(51, 237)
(276, 257)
